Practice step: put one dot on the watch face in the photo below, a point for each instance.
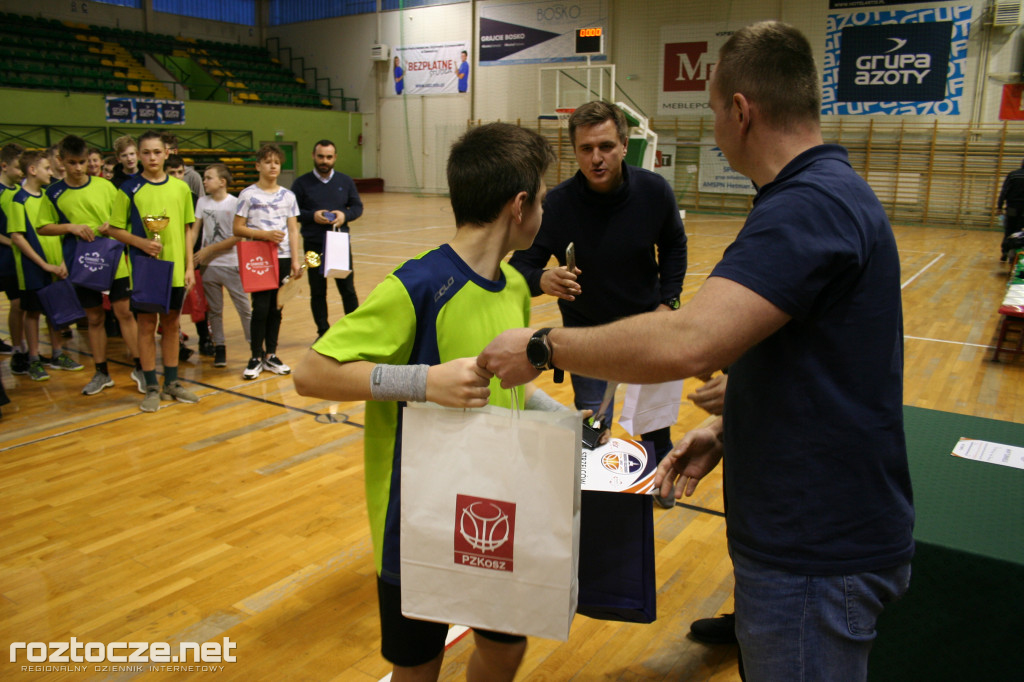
(537, 352)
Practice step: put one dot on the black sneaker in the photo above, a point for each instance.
(6, 348)
(274, 364)
(207, 348)
(720, 630)
(253, 369)
(19, 363)
(220, 356)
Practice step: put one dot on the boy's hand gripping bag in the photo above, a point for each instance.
(648, 407)
(257, 265)
(151, 284)
(617, 580)
(60, 303)
(94, 264)
(337, 255)
(490, 518)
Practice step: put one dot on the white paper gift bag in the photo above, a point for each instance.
(648, 407)
(337, 255)
(490, 518)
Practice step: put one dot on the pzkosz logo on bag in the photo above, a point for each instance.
(92, 261)
(484, 532)
(259, 266)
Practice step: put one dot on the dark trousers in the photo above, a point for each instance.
(265, 323)
(318, 296)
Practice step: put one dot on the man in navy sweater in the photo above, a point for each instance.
(328, 200)
(628, 236)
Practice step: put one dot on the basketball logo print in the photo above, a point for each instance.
(484, 532)
(622, 462)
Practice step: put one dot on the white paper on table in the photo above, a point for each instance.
(618, 466)
(993, 453)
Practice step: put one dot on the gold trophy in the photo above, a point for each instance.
(156, 225)
(290, 285)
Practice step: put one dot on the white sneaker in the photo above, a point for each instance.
(272, 363)
(253, 369)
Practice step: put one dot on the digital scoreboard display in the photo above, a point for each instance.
(590, 40)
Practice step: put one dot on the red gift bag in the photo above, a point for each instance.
(257, 264)
(195, 301)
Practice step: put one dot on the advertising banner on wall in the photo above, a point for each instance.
(159, 112)
(853, 4)
(716, 175)
(438, 69)
(536, 32)
(688, 56)
(895, 62)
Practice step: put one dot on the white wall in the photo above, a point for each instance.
(406, 139)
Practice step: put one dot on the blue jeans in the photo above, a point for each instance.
(587, 396)
(802, 628)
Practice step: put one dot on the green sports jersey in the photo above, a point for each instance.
(6, 255)
(140, 197)
(23, 217)
(432, 309)
(91, 204)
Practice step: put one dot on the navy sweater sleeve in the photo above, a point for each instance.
(671, 248)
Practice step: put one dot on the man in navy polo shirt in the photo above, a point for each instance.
(328, 200)
(804, 308)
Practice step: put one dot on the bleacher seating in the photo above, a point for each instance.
(51, 54)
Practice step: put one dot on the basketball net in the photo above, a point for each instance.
(563, 116)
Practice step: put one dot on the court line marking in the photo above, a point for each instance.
(412, 229)
(955, 343)
(340, 417)
(921, 271)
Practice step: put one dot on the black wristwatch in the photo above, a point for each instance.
(672, 303)
(538, 352)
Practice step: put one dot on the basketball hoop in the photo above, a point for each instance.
(563, 116)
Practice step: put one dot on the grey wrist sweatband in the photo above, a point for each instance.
(543, 402)
(399, 382)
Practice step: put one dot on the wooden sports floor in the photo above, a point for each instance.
(243, 516)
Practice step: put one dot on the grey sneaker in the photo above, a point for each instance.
(140, 380)
(98, 382)
(178, 392)
(36, 371)
(64, 361)
(151, 403)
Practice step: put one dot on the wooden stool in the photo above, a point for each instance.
(1013, 321)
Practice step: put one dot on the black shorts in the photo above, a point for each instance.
(177, 299)
(9, 285)
(30, 302)
(409, 642)
(90, 298)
